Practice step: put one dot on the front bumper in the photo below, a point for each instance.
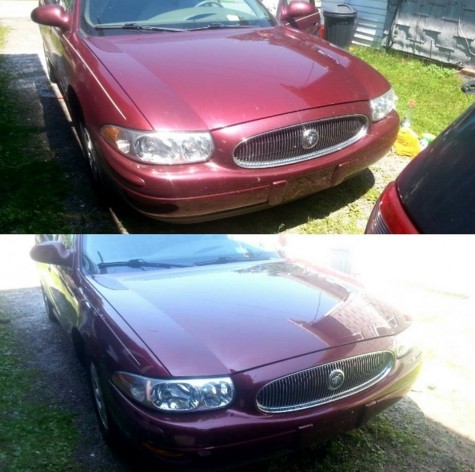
(238, 435)
(220, 188)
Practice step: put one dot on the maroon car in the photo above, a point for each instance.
(215, 349)
(435, 193)
(194, 110)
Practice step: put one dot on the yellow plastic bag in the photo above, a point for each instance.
(407, 143)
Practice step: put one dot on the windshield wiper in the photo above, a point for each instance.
(139, 27)
(217, 26)
(228, 260)
(139, 264)
(136, 26)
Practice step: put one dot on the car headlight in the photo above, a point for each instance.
(406, 341)
(160, 147)
(176, 395)
(382, 105)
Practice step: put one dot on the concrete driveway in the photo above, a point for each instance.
(16, 9)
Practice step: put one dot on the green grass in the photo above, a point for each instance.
(434, 89)
(33, 436)
(345, 221)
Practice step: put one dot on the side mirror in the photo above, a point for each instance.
(52, 252)
(51, 15)
(297, 9)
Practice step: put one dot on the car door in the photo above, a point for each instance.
(62, 287)
(307, 23)
(56, 45)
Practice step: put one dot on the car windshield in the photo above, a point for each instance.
(101, 17)
(103, 254)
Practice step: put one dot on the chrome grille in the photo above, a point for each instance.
(376, 223)
(311, 387)
(287, 145)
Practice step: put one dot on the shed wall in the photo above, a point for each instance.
(443, 30)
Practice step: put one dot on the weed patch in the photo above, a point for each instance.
(3, 35)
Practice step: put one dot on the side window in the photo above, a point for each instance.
(67, 240)
(272, 5)
(67, 4)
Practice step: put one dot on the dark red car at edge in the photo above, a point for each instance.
(435, 193)
(215, 349)
(195, 110)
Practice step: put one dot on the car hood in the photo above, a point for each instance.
(222, 319)
(213, 79)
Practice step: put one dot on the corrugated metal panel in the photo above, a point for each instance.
(370, 19)
(436, 29)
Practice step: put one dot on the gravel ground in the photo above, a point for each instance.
(45, 349)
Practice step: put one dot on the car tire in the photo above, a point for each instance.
(49, 308)
(107, 426)
(102, 186)
(90, 153)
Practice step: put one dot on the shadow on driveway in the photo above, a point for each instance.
(46, 153)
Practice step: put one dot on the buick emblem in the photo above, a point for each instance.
(309, 138)
(336, 379)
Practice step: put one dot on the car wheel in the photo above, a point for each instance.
(106, 424)
(90, 152)
(101, 183)
(49, 307)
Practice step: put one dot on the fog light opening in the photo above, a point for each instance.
(163, 452)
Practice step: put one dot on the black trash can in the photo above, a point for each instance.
(339, 23)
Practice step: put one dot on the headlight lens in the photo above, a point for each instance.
(176, 395)
(160, 147)
(406, 341)
(382, 105)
